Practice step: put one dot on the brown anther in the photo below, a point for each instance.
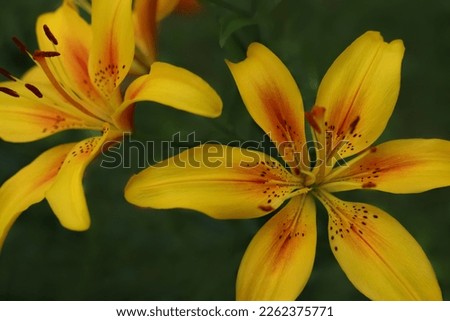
(45, 54)
(34, 90)
(311, 117)
(20, 45)
(50, 35)
(312, 122)
(6, 73)
(9, 92)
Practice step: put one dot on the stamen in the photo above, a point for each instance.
(310, 177)
(34, 90)
(9, 91)
(312, 122)
(7, 74)
(50, 35)
(45, 54)
(40, 56)
(316, 112)
(20, 45)
(300, 191)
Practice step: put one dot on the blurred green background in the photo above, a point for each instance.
(142, 254)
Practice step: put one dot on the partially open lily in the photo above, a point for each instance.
(147, 14)
(354, 102)
(76, 85)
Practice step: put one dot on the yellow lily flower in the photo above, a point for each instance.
(354, 102)
(75, 85)
(147, 14)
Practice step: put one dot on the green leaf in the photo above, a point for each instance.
(265, 6)
(228, 28)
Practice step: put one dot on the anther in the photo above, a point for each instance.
(7, 74)
(312, 122)
(45, 54)
(9, 91)
(50, 35)
(34, 90)
(317, 112)
(20, 45)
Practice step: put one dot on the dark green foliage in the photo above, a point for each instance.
(139, 254)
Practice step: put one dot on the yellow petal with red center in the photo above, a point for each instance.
(358, 94)
(66, 196)
(113, 44)
(37, 78)
(273, 100)
(144, 14)
(56, 32)
(279, 260)
(175, 87)
(28, 186)
(221, 181)
(27, 117)
(398, 166)
(377, 253)
(165, 8)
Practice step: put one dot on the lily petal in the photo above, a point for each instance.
(27, 118)
(70, 68)
(377, 253)
(279, 260)
(36, 76)
(358, 94)
(113, 44)
(144, 14)
(165, 8)
(66, 195)
(28, 186)
(221, 181)
(175, 87)
(51, 97)
(398, 166)
(273, 100)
